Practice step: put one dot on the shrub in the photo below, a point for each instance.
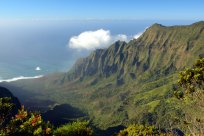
(140, 130)
(74, 129)
(6, 107)
(191, 92)
(27, 124)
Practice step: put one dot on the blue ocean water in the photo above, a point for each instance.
(24, 46)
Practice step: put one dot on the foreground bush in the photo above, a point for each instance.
(74, 129)
(27, 124)
(140, 130)
(191, 94)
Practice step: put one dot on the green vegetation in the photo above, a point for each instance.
(6, 108)
(192, 82)
(31, 124)
(26, 124)
(74, 129)
(140, 130)
(130, 83)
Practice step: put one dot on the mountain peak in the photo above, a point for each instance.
(198, 23)
(153, 51)
(157, 25)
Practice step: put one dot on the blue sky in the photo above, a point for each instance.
(102, 9)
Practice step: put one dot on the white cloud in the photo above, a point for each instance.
(121, 37)
(137, 35)
(101, 38)
(95, 39)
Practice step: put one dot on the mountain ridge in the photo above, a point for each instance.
(156, 38)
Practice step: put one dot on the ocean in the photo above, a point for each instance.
(40, 47)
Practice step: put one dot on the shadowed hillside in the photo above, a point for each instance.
(6, 93)
(9, 106)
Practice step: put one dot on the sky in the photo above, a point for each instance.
(102, 9)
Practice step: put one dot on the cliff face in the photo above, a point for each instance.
(102, 62)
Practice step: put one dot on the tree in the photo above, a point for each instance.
(191, 82)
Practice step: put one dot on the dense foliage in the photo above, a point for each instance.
(6, 108)
(31, 124)
(27, 124)
(191, 80)
(141, 130)
(74, 129)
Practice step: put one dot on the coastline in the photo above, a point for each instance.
(19, 78)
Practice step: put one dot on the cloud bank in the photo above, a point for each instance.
(101, 38)
(95, 39)
(20, 78)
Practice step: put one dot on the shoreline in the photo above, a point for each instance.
(19, 78)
